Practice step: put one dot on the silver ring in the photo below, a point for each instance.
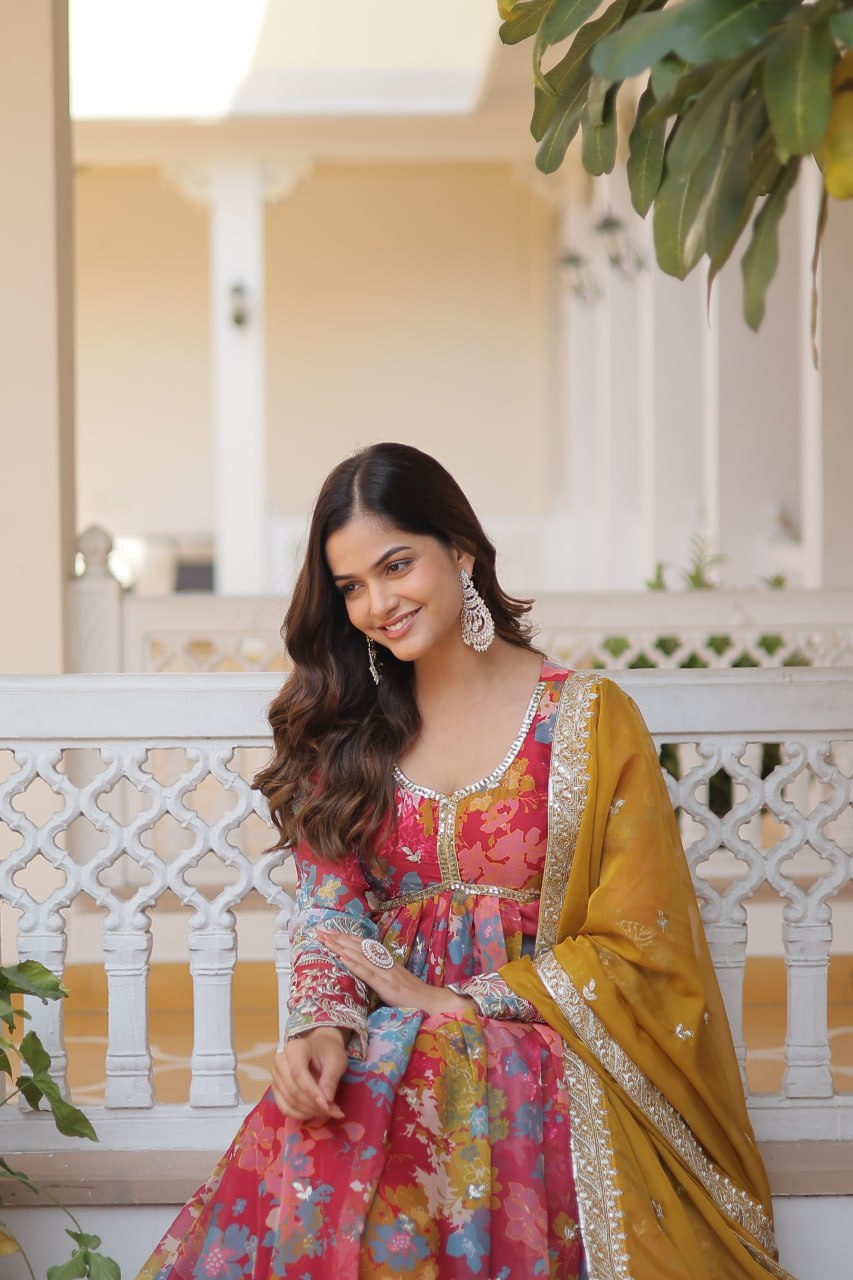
(377, 954)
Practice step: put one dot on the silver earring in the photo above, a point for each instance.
(371, 660)
(478, 626)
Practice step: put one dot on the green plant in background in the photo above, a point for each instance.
(35, 1084)
(698, 575)
(736, 95)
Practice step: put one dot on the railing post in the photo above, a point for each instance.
(807, 1070)
(46, 1020)
(94, 608)
(727, 943)
(126, 957)
(213, 956)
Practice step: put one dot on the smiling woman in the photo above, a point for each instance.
(506, 1054)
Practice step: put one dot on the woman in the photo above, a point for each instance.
(506, 1054)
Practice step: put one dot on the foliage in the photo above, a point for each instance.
(738, 93)
(36, 1085)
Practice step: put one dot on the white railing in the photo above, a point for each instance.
(92, 767)
(112, 630)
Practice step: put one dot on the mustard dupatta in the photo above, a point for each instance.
(670, 1181)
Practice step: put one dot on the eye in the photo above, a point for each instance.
(396, 566)
(348, 588)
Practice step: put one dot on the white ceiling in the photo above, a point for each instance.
(208, 60)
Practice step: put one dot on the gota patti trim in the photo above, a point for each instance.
(454, 886)
(568, 787)
(449, 804)
(602, 1220)
(736, 1203)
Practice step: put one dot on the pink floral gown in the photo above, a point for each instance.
(454, 1157)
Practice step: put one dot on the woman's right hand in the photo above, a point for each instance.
(306, 1073)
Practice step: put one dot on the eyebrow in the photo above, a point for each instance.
(394, 551)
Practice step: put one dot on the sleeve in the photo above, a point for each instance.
(323, 992)
(495, 998)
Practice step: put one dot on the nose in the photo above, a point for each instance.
(383, 598)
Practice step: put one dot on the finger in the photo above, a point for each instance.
(300, 1083)
(330, 1077)
(288, 1098)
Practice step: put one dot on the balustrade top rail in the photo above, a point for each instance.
(115, 631)
(117, 724)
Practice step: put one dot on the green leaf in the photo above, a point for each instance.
(73, 1269)
(571, 72)
(665, 75)
(565, 17)
(33, 979)
(713, 29)
(841, 26)
(598, 152)
(561, 131)
(83, 1239)
(706, 117)
(30, 1090)
(762, 257)
(5, 1064)
(678, 227)
(103, 1268)
(798, 85)
(34, 1053)
(731, 206)
(69, 1119)
(645, 155)
(639, 42)
(690, 85)
(524, 22)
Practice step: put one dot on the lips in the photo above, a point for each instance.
(400, 625)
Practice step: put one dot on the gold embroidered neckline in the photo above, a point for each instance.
(491, 779)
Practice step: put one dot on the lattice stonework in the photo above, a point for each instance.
(133, 794)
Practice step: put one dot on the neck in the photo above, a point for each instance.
(460, 672)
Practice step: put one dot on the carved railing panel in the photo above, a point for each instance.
(133, 795)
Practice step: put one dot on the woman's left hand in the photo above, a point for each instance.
(395, 986)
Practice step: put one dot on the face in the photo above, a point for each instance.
(401, 589)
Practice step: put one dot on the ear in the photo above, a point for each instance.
(463, 560)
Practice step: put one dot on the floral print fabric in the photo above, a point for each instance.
(454, 1157)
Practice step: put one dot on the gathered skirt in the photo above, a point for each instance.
(453, 1161)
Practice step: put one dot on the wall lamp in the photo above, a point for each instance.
(239, 305)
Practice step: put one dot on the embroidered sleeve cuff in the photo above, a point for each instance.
(495, 999)
(352, 1020)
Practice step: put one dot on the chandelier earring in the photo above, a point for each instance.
(478, 626)
(371, 660)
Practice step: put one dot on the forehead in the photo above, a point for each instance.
(358, 544)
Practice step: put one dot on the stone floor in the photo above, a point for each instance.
(255, 1027)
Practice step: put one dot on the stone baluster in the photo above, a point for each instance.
(213, 955)
(807, 1071)
(46, 1020)
(95, 608)
(728, 951)
(126, 959)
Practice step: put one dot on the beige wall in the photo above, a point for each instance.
(143, 400)
(403, 303)
(411, 304)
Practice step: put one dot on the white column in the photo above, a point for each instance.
(808, 194)
(36, 336)
(239, 376)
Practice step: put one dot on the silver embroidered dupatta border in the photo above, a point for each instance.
(592, 1147)
(602, 1221)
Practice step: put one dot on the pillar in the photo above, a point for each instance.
(37, 510)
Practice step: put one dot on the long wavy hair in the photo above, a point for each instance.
(336, 734)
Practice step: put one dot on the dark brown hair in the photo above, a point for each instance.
(336, 734)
